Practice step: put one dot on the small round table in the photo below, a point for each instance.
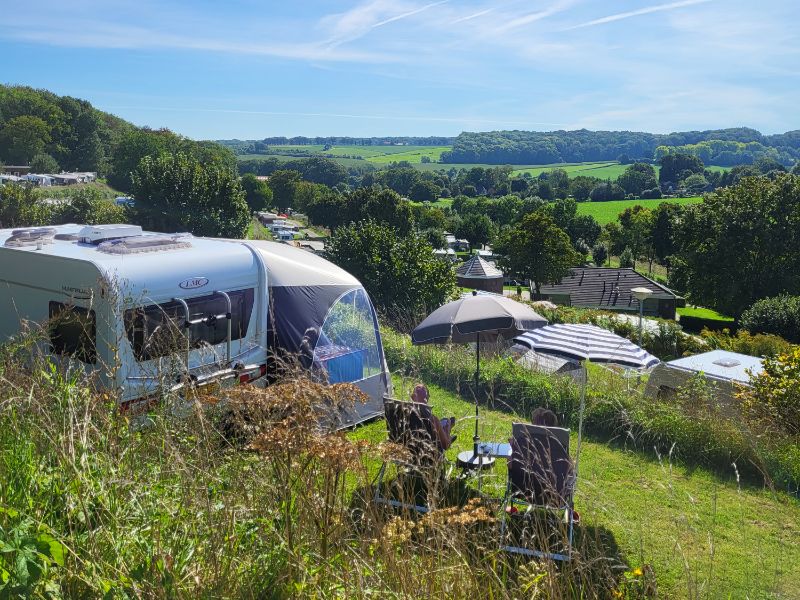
(468, 460)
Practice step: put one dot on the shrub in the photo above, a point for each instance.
(775, 395)
(599, 254)
(653, 194)
(745, 343)
(779, 315)
(627, 260)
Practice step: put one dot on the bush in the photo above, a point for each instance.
(745, 343)
(779, 315)
(697, 324)
(627, 260)
(653, 194)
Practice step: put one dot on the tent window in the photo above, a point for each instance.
(72, 331)
(347, 348)
(157, 330)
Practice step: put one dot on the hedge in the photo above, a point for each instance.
(627, 417)
(697, 324)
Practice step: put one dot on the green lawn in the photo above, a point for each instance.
(704, 535)
(605, 212)
(703, 313)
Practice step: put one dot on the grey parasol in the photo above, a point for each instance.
(477, 318)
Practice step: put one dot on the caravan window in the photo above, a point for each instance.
(157, 330)
(347, 347)
(72, 331)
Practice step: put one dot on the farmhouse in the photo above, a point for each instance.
(610, 289)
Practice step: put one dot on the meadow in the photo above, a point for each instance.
(606, 212)
(703, 533)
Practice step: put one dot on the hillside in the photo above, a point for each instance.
(71, 131)
(732, 146)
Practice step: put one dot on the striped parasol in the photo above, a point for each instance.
(587, 342)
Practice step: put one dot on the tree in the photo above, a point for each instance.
(636, 225)
(175, 192)
(665, 218)
(606, 191)
(583, 228)
(402, 275)
(581, 187)
(599, 254)
(22, 138)
(257, 193)
(283, 184)
(44, 163)
(318, 169)
(424, 191)
(676, 167)
(435, 237)
(383, 206)
(627, 260)
(476, 229)
(740, 244)
(536, 249)
(637, 178)
(695, 184)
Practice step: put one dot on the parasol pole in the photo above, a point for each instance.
(477, 438)
(584, 378)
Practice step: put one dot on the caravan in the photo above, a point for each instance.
(143, 312)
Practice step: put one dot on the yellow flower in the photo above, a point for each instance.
(637, 572)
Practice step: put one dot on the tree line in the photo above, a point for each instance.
(532, 147)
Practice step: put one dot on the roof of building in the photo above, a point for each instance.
(603, 286)
(721, 364)
(477, 268)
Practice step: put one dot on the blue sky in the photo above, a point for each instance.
(249, 69)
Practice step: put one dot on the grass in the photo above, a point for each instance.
(702, 313)
(703, 534)
(606, 212)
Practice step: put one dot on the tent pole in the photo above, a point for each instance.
(476, 438)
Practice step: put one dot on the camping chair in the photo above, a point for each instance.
(540, 477)
(410, 425)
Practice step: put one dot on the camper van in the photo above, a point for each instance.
(142, 312)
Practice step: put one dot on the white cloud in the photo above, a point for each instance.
(641, 11)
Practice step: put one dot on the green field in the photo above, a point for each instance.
(702, 313)
(605, 212)
(380, 155)
(602, 170)
(704, 535)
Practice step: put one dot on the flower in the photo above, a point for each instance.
(637, 572)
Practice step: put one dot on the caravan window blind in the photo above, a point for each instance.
(72, 332)
(157, 330)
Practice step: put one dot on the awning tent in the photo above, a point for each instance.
(321, 315)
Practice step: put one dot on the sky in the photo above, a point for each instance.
(249, 69)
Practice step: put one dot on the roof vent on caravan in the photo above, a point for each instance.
(31, 237)
(94, 234)
(144, 243)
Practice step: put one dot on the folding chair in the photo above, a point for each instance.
(410, 424)
(540, 477)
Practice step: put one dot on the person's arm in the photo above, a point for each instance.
(444, 438)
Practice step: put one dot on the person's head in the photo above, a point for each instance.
(420, 393)
(544, 417)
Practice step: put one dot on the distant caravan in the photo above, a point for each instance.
(146, 312)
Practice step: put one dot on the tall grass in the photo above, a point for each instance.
(246, 496)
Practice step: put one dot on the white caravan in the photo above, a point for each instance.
(144, 312)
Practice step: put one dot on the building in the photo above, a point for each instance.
(39, 179)
(17, 170)
(610, 289)
(478, 274)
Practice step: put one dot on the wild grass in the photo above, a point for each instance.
(247, 496)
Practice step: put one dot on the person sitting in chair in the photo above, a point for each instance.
(544, 417)
(442, 426)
